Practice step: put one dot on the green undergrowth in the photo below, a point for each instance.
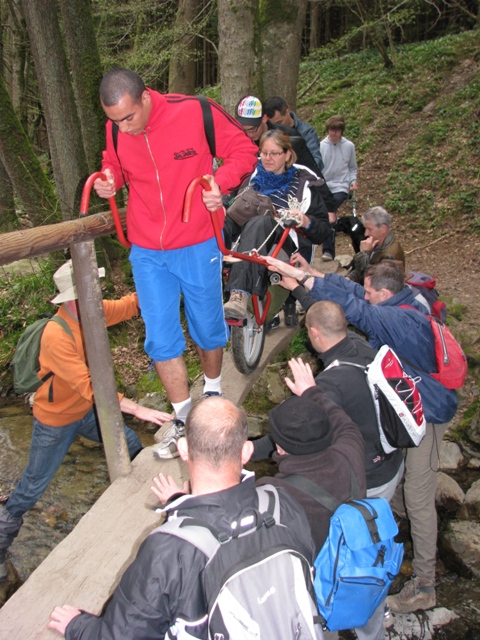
(421, 118)
(461, 429)
(295, 348)
(23, 299)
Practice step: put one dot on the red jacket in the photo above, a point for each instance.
(160, 164)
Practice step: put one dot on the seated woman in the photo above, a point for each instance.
(281, 180)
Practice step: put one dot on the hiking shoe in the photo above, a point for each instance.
(327, 257)
(418, 593)
(236, 307)
(167, 448)
(290, 315)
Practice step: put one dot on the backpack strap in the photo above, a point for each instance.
(370, 515)
(50, 374)
(269, 501)
(313, 490)
(431, 318)
(194, 531)
(339, 363)
(115, 146)
(63, 324)
(208, 123)
(319, 493)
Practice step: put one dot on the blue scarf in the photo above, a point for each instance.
(267, 182)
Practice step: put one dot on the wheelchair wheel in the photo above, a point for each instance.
(247, 344)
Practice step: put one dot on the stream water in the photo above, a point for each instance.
(78, 483)
(83, 477)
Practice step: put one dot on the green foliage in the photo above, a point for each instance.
(435, 175)
(149, 383)
(22, 299)
(141, 35)
(277, 10)
(295, 348)
(257, 402)
(460, 431)
(456, 310)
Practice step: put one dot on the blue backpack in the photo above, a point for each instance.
(359, 559)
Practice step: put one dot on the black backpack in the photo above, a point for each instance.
(257, 582)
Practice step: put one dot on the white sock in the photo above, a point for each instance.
(212, 384)
(182, 409)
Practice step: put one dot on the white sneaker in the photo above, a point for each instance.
(167, 448)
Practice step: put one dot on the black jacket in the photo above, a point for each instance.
(348, 387)
(163, 584)
(330, 468)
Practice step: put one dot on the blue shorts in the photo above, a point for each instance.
(160, 277)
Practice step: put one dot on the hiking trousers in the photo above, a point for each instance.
(415, 498)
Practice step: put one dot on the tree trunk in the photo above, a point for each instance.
(182, 69)
(23, 167)
(314, 24)
(235, 50)
(14, 39)
(63, 125)
(282, 25)
(8, 218)
(86, 68)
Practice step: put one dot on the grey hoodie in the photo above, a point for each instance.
(340, 165)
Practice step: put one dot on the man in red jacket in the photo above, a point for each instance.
(161, 147)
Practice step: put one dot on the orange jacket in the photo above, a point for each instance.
(66, 358)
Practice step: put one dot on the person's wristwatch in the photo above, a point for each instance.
(305, 278)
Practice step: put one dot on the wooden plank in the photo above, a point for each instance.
(85, 567)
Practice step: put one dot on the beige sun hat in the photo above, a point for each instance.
(63, 278)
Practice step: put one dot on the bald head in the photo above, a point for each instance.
(216, 431)
(328, 318)
(326, 325)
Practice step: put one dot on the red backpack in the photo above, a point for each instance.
(450, 358)
(423, 284)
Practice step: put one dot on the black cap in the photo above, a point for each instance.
(300, 426)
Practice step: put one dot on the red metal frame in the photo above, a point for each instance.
(111, 201)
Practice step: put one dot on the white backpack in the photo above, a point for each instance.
(397, 401)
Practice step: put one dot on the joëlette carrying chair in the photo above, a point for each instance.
(250, 257)
(247, 335)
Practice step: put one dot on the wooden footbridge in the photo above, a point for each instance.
(85, 567)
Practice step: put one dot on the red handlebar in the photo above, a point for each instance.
(218, 228)
(187, 207)
(85, 201)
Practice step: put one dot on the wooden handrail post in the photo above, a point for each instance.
(99, 358)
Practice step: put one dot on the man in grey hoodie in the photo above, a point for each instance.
(340, 171)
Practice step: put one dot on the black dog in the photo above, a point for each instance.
(352, 226)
